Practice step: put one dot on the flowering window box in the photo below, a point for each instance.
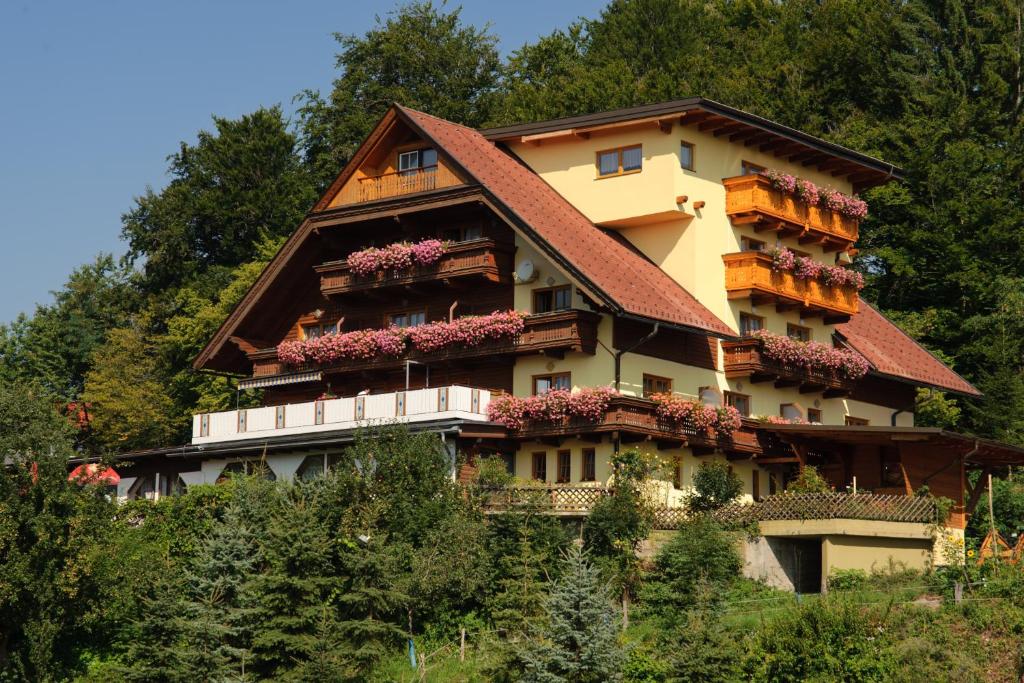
(749, 358)
(481, 258)
(752, 274)
(753, 199)
(554, 333)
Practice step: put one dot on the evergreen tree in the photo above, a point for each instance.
(579, 643)
(326, 655)
(154, 638)
(218, 611)
(518, 602)
(298, 579)
(369, 602)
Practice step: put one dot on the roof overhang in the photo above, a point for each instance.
(975, 450)
(859, 169)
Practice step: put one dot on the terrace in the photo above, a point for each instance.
(749, 275)
(396, 184)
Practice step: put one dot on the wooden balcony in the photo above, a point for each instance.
(636, 419)
(374, 188)
(552, 333)
(745, 359)
(749, 274)
(751, 200)
(481, 258)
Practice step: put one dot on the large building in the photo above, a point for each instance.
(681, 269)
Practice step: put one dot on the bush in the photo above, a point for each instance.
(847, 579)
(701, 552)
(822, 640)
(714, 485)
(808, 481)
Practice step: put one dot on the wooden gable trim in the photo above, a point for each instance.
(357, 159)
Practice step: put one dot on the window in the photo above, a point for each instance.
(792, 411)
(656, 385)
(755, 484)
(852, 421)
(686, 156)
(748, 168)
(410, 162)
(740, 402)
(749, 324)
(552, 299)
(539, 467)
(798, 332)
(410, 319)
(619, 161)
(542, 384)
(750, 244)
(463, 233)
(316, 330)
(312, 467)
(814, 416)
(564, 466)
(589, 465)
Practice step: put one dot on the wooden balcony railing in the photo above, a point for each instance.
(556, 333)
(745, 358)
(481, 258)
(751, 199)
(373, 188)
(749, 274)
(638, 419)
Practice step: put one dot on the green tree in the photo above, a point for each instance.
(130, 406)
(714, 486)
(420, 56)
(153, 639)
(808, 481)
(517, 603)
(234, 187)
(578, 643)
(699, 561)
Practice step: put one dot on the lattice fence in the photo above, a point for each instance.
(579, 499)
(788, 506)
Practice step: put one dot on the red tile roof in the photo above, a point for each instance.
(628, 279)
(894, 353)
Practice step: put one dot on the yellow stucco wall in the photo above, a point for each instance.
(689, 248)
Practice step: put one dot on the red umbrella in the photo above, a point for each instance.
(92, 473)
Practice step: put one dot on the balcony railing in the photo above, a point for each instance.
(373, 188)
(745, 358)
(549, 498)
(416, 405)
(751, 199)
(555, 333)
(481, 258)
(638, 418)
(749, 274)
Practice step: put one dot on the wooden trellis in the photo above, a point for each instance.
(994, 546)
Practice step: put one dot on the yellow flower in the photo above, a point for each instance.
(970, 553)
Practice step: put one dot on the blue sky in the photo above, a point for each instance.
(95, 95)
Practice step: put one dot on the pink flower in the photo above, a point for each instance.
(395, 257)
(694, 415)
(783, 260)
(781, 181)
(807, 268)
(588, 404)
(807, 192)
(811, 194)
(812, 356)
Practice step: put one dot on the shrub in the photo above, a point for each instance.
(847, 579)
(714, 485)
(808, 481)
(700, 553)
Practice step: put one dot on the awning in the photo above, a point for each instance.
(975, 450)
(92, 473)
(280, 380)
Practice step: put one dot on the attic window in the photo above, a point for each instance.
(619, 161)
(410, 162)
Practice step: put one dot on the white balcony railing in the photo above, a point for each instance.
(417, 405)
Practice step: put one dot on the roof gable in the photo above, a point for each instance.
(624, 278)
(892, 352)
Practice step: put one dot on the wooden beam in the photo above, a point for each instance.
(746, 134)
(693, 117)
(713, 123)
(758, 139)
(725, 130)
(800, 156)
(776, 143)
(665, 125)
(817, 159)
(974, 493)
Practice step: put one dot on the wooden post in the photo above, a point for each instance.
(462, 644)
(992, 520)
(958, 592)
(855, 484)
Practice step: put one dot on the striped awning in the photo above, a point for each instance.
(279, 380)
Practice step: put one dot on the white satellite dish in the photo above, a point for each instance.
(525, 271)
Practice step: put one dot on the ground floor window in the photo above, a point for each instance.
(564, 467)
(589, 464)
(539, 467)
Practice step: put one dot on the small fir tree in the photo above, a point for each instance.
(518, 603)
(579, 642)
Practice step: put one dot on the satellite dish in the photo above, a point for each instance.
(525, 271)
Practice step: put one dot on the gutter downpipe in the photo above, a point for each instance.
(892, 419)
(618, 365)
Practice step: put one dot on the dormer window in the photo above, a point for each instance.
(620, 161)
(412, 161)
